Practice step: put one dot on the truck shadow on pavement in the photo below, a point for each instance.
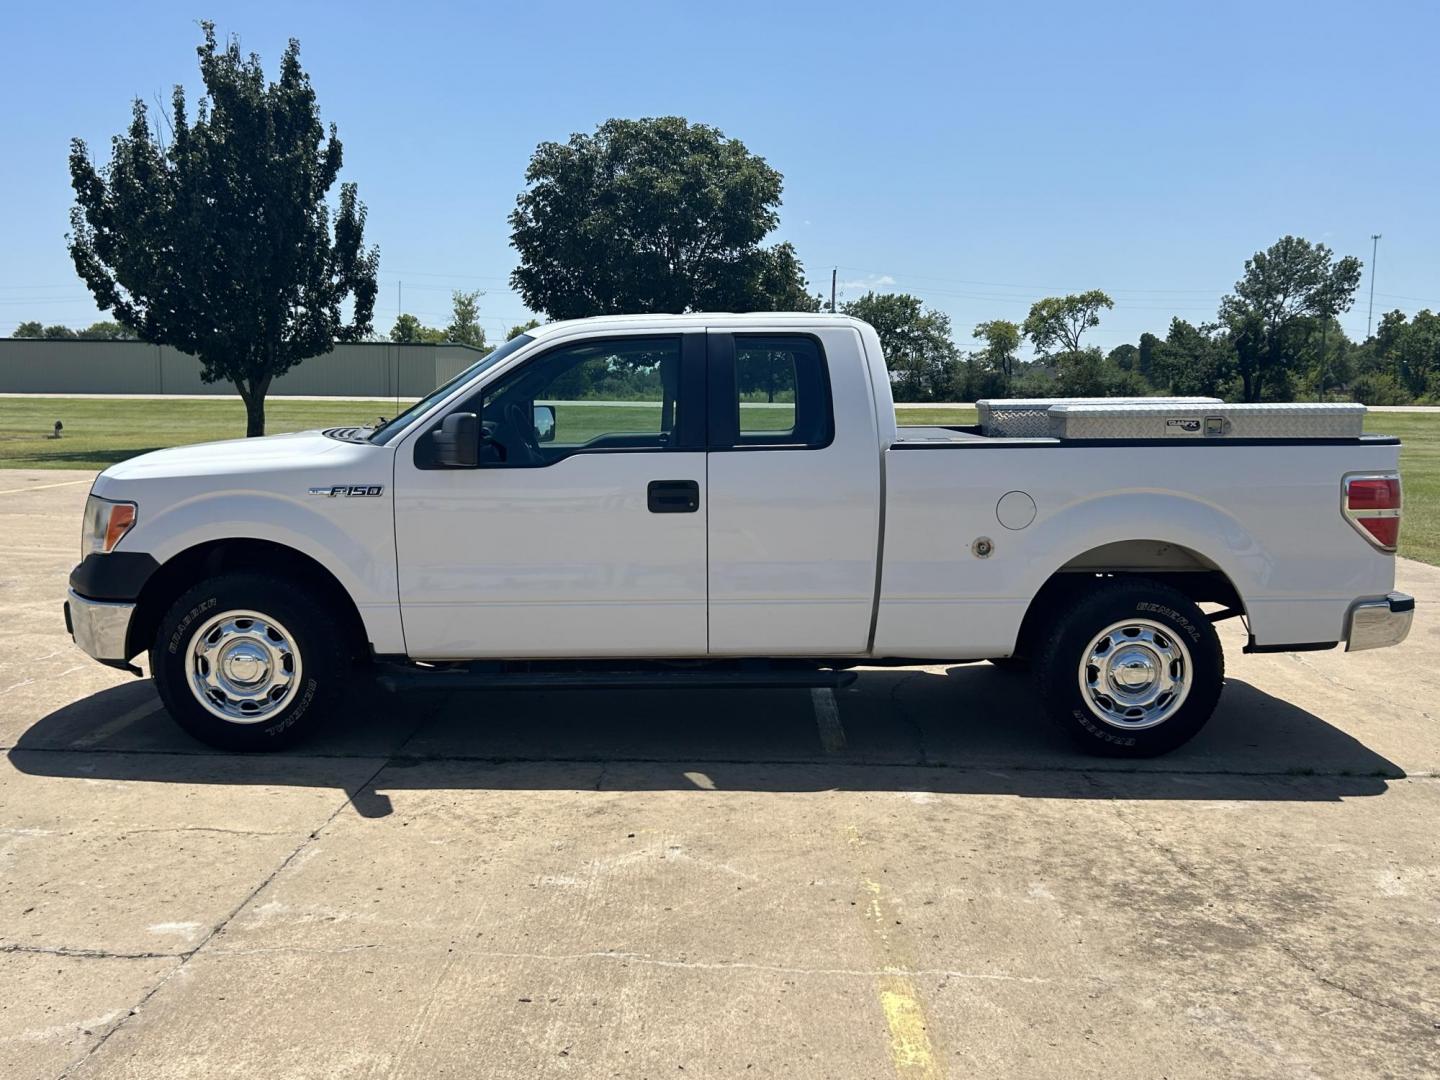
(964, 730)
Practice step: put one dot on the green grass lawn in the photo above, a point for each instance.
(100, 432)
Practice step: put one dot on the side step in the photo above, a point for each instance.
(407, 677)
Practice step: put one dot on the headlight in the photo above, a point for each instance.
(105, 523)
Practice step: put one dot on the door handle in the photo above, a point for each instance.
(673, 496)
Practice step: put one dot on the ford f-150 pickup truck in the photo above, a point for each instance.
(726, 500)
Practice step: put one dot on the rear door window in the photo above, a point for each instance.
(769, 390)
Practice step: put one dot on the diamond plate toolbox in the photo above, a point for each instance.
(1029, 418)
(1151, 420)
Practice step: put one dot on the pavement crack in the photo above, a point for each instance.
(85, 954)
(220, 927)
(907, 717)
(204, 829)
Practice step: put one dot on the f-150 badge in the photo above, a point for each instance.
(349, 491)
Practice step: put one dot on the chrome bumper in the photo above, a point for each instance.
(99, 627)
(1373, 624)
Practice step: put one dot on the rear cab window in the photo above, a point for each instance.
(769, 391)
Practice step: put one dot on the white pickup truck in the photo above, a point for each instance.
(726, 500)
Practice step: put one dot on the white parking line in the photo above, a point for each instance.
(827, 719)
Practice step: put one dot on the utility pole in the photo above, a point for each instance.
(399, 298)
(1374, 257)
(833, 271)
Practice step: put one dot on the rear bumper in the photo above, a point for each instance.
(1374, 624)
(99, 627)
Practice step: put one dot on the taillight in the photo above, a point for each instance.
(1371, 502)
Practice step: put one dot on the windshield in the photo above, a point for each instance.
(391, 428)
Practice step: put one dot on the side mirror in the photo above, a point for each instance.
(544, 423)
(457, 440)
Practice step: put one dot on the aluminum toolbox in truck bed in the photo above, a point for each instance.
(1028, 418)
(1218, 421)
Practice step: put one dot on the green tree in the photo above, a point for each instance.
(521, 328)
(1282, 286)
(32, 329)
(918, 346)
(1409, 348)
(653, 215)
(1081, 373)
(1002, 346)
(59, 333)
(1124, 357)
(1146, 360)
(1056, 323)
(1193, 360)
(408, 330)
(464, 328)
(1055, 326)
(220, 241)
(108, 330)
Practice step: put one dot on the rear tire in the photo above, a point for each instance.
(1132, 668)
(248, 662)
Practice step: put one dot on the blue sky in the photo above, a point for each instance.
(978, 155)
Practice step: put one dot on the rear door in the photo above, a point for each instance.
(794, 493)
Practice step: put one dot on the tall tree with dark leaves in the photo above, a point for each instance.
(1193, 360)
(919, 349)
(654, 215)
(221, 241)
(1283, 286)
(1002, 344)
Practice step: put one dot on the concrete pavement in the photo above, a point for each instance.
(665, 884)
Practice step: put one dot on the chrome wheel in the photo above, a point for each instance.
(243, 666)
(1135, 674)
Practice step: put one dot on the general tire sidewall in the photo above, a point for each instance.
(1066, 702)
(283, 601)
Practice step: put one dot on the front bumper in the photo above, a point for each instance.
(1374, 624)
(99, 627)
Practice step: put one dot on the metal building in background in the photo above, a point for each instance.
(359, 369)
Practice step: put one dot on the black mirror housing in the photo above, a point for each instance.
(544, 420)
(457, 441)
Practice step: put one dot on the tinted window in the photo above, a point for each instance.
(782, 394)
(387, 431)
(605, 394)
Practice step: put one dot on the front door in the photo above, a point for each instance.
(582, 530)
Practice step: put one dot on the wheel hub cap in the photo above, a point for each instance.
(1135, 674)
(243, 666)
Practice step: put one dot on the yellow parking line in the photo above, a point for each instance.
(911, 1050)
(104, 731)
(910, 1047)
(42, 487)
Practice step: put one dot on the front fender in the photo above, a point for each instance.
(351, 537)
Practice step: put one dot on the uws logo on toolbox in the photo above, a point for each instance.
(349, 491)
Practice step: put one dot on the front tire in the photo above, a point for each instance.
(1132, 668)
(247, 662)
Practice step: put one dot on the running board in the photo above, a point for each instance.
(412, 678)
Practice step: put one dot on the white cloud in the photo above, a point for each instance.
(869, 283)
